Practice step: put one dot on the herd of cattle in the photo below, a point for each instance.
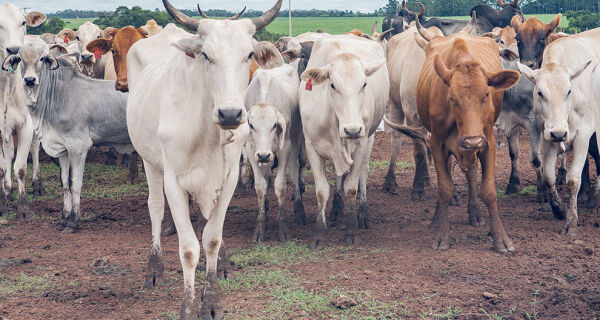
(194, 117)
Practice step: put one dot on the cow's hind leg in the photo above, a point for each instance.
(25, 135)
(513, 150)
(132, 164)
(337, 207)
(295, 171)
(280, 189)
(421, 168)
(396, 116)
(475, 216)
(156, 207)
(77, 164)
(536, 159)
(38, 187)
(561, 178)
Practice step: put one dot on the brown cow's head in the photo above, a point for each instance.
(471, 98)
(120, 44)
(532, 37)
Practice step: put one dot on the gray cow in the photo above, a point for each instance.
(72, 113)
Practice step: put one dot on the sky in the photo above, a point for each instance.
(48, 6)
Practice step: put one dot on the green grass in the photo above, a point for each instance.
(333, 25)
(171, 315)
(376, 166)
(24, 284)
(256, 279)
(274, 254)
(528, 190)
(449, 313)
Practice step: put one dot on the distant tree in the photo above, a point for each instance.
(52, 25)
(136, 16)
(390, 7)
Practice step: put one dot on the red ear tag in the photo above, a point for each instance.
(97, 54)
(308, 85)
(66, 40)
(191, 55)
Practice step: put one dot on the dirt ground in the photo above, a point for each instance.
(98, 272)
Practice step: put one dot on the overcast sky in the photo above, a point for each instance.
(234, 5)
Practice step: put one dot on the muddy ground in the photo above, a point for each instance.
(98, 272)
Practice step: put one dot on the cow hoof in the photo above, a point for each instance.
(440, 243)
(418, 195)
(475, 216)
(189, 307)
(38, 189)
(259, 232)
(454, 201)
(511, 188)
(352, 239)
(168, 228)
(154, 275)
(283, 232)
(319, 242)
(560, 211)
(68, 230)
(569, 230)
(211, 306)
(542, 197)
(299, 212)
(389, 188)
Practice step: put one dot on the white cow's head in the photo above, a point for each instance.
(267, 132)
(346, 77)
(220, 56)
(13, 24)
(554, 97)
(85, 34)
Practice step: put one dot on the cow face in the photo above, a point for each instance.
(13, 23)
(471, 96)
(507, 43)
(267, 132)
(554, 97)
(119, 45)
(346, 77)
(303, 54)
(87, 33)
(532, 37)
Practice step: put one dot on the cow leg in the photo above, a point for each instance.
(361, 163)
(441, 159)
(337, 207)
(302, 161)
(396, 116)
(280, 189)
(513, 150)
(421, 169)
(8, 149)
(364, 219)
(295, 171)
(261, 184)
(77, 165)
(549, 158)
(535, 157)
(65, 179)
(475, 216)
(502, 242)
(454, 200)
(593, 151)
(586, 183)
(38, 187)
(156, 208)
(111, 157)
(580, 148)
(3, 192)
(562, 171)
(132, 164)
(322, 189)
(25, 135)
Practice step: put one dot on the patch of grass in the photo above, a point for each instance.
(528, 190)
(496, 316)
(256, 279)
(534, 302)
(74, 283)
(274, 254)
(450, 313)
(24, 284)
(376, 166)
(170, 315)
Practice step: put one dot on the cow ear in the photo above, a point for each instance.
(508, 55)
(318, 75)
(504, 80)
(291, 55)
(577, 71)
(553, 24)
(11, 61)
(103, 46)
(34, 18)
(516, 23)
(267, 56)
(191, 46)
(143, 32)
(51, 62)
(281, 128)
(374, 67)
(526, 71)
(366, 36)
(443, 72)
(70, 34)
(61, 49)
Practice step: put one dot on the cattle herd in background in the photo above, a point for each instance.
(183, 102)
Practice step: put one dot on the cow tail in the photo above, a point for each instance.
(411, 132)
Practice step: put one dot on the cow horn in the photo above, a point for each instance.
(420, 13)
(468, 28)
(180, 17)
(267, 17)
(202, 14)
(501, 3)
(382, 35)
(238, 15)
(422, 31)
(374, 29)
(404, 5)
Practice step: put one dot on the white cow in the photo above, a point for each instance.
(343, 95)
(187, 120)
(15, 117)
(275, 133)
(565, 97)
(96, 66)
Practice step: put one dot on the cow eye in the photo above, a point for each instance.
(501, 41)
(250, 56)
(364, 85)
(569, 93)
(332, 86)
(77, 37)
(540, 94)
(487, 95)
(23, 23)
(452, 101)
(206, 57)
(251, 126)
(275, 126)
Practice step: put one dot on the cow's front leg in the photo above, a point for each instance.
(132, 164)
(25, 136)
(364, 219)
(38, 187)
(77, 164)
(260, 185)
(548, 164)
(280, 189)
(580, 147)
(502, 242)
(156, 208)
(513, 150)
(322, 189)
(3, 192)
(66, 188)
(475, 216)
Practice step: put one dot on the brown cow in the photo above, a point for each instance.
(459, 97)
(532, 38)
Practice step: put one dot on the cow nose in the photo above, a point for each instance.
(558, 136)
(230, 117)
(121, 86)
(29, 81)
(263, 157)
(531, 64)
(12, 50)
(86, 57)
(353, 133)
(474, 142)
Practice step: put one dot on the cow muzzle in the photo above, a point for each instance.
(532, 64)
(230, 118)
(558, 136)
(352, 131)
(87, 58)
(30, 81)
(264, 157)
(473, 143)
(122, 85)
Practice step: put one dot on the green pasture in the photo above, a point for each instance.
(333, 25)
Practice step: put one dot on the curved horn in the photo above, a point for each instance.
(202, 14)
(238, 15)
(501, 3)
(468, 28)
(374, 29)
(382, 35)
(422, 9)
(422, 31)
(267, 17)
(180, 17)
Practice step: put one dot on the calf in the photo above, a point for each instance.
(564, 97)
(275, 137)
(94, 64)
